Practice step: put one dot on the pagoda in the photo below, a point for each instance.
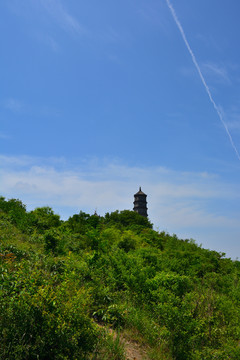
(140, 203)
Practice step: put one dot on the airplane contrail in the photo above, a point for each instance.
(173, 12)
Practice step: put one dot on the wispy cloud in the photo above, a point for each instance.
(105, 184)
(60, 14)
(232, 116)
(209, 41)
(49, 41)
(234, 124)
(110, 35)
(13, 104)
(202, 78)
(186, 203)
(154, 14)
(44, 16)
(217, 73)
(20, 107)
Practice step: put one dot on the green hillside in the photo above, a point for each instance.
(88, 287)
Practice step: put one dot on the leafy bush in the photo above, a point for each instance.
(16, 212)
(44, 319)
(64, 283)
(44, 219)
(127, 219)
(54, 241)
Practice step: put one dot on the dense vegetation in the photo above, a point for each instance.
(65, 284)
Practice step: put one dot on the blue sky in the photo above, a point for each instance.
(98, 98)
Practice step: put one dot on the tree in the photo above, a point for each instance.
(43, 218)
(127, 218)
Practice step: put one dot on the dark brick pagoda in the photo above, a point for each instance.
(140, 203)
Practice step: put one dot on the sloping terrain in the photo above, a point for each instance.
(111, 288)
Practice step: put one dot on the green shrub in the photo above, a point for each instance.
(54, 241)
(42, 319)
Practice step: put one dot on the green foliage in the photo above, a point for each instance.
(16, 212)
(54, 241)
(45, 318)
(127, 219)
(44, 219)
(128, 241)
(63, 284)
(82, 222)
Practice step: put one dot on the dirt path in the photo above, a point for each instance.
(133, 350)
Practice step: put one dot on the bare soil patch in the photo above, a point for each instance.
(133, 350)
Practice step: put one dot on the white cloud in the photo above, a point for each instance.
(231, 117)
(188, 204)
(217, 73)
(214, 73)
(49, 41)
(234, 124)
(99, 183)
(14, 105)
(44, 15)
(154, 14)
(18, 107)
(57, 11)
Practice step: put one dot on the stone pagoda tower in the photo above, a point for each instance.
(140, 203)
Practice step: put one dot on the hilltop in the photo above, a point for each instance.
(111, 287)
